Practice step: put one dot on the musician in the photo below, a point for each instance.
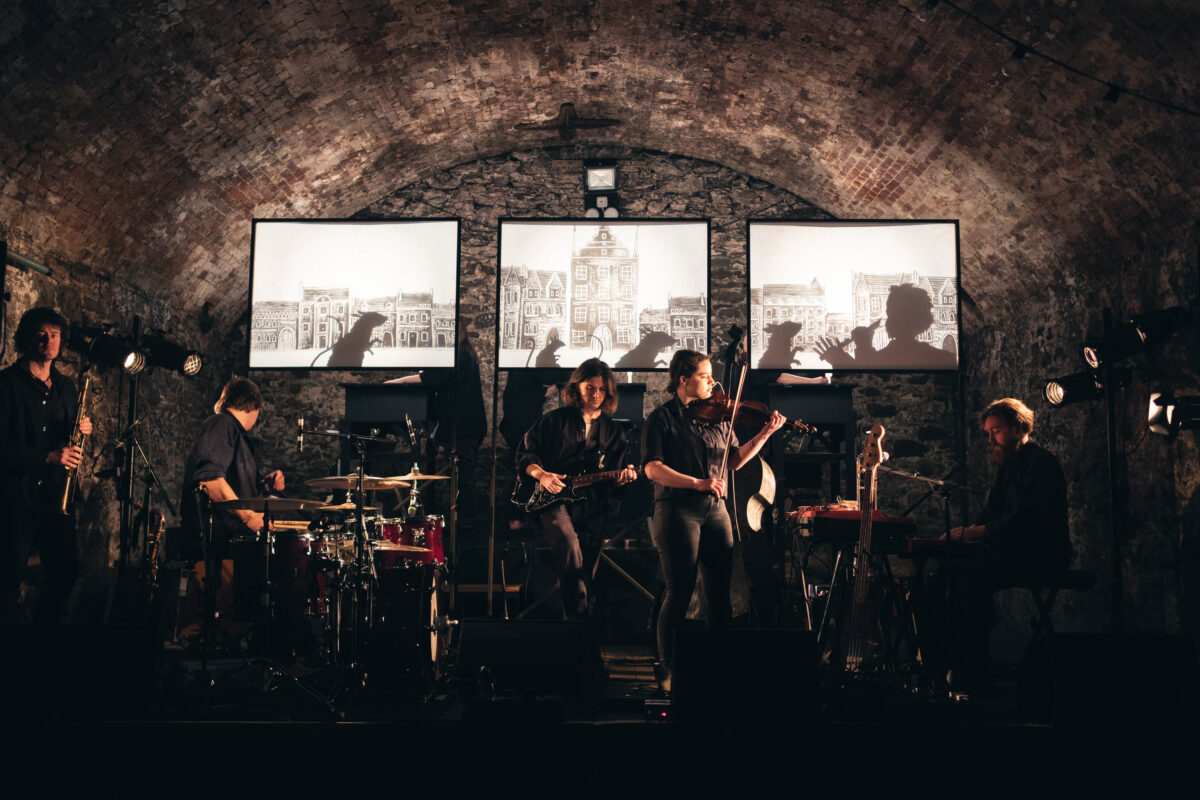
(222, 466)
(37, 416)
(578, 438)
(690, 526)
(1023, 533)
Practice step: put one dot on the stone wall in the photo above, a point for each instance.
(931, 419)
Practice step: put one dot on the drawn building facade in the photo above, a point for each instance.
(604, 278)
(534, 304)
(324, 316)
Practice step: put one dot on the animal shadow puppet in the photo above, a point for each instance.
(644, 354)
(348, 352)
(781, 351)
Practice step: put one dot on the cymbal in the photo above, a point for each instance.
(350, 482)
(275, 504)
(399, 548)
(417, 475)
(346, 507)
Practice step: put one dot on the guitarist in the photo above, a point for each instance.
(578, 438)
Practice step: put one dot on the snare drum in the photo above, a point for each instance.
(295, 589)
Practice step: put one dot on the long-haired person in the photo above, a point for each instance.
(690, 526)
(578, 438)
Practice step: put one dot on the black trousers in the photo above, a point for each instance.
(964, 588)
(561, 525)
(52, 535)
(692, 531)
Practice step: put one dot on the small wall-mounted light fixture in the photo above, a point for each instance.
(600, 189)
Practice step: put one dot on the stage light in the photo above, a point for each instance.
(1073, 388)
(1168, 414)
(1136, 334)
(105, 349)
(168, 355)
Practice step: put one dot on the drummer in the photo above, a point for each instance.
(222, 466)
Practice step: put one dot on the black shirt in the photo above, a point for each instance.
(556, 443)
(34, 420)
(1026, 511)
(688, 447)
(222, 450)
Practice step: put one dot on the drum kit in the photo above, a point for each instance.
(375, 582)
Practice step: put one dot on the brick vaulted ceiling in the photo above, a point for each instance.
(142, 137)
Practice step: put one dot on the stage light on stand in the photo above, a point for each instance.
(105, 349)
(1168, 414)
(1139, 332)
(169, 355)
(1073, 388)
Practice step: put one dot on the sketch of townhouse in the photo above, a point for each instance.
(534, 303)
(604, 277)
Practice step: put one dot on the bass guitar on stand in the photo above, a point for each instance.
(863, 640)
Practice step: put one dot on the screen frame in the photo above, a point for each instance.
(618, 222)
(357, 221)
(849, 224)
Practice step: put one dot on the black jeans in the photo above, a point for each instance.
(52, 534)
(559, 525)
(692, 530)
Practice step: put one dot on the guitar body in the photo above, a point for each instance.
(532, 496)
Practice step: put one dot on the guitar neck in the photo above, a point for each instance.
(580, 481)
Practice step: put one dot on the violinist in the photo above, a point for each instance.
(690, 526)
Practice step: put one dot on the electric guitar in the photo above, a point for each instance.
(530, 495)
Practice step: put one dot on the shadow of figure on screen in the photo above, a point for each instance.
(644, 354)
(909, 313)
(547, 357)
(350, 350)
(781, 349)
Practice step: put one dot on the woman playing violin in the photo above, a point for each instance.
(690, 526)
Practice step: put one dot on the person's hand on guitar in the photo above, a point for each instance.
(628, 475)
(552, 482)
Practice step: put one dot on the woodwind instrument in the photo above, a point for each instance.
(68, 494)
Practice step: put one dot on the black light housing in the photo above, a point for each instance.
(1168, 414)
(1073, 388)
(1138, 333)
(169, 355)
(105, 349)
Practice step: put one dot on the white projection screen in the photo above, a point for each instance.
(631, 292)
(854, 295)
(353, 294)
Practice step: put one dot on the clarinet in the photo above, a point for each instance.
(68, 493)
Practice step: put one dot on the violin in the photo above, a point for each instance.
(718, 408)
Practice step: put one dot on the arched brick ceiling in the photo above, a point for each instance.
(142, 140)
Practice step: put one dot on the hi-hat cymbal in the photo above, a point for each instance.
(274, 503)
(350, 483)
(417, 475)
(346, 507)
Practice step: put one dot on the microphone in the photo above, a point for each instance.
(300, 435)
(412, 437)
